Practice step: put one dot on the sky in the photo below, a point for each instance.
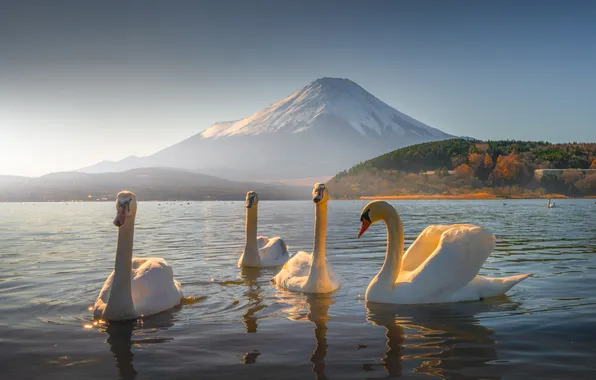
(82, 82)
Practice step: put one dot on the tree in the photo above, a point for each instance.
(587, 185)
(571, 177)
(457, 161)
(476, 161)
(488, 162)
(481, 165)
(510, 170)
(464, 171)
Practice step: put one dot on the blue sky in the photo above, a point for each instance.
(81, 82)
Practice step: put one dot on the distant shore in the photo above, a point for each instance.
(470, 196)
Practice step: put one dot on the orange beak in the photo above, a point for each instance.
(365, 225)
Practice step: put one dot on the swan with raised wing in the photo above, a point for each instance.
(259, 251)
(310, 273)
(137, 287)
(440, 266)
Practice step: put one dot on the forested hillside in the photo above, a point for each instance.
(458, 166)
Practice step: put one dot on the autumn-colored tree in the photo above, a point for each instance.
(464, 171)
(509, 170)
(457, 161)
(481, 165)
(488, 162)
(476, 161)
(593, 166)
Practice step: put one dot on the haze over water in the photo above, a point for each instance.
(56, 256)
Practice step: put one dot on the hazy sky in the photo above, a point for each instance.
(84, 81)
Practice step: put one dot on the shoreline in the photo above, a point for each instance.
(406, 197)
(471, 196)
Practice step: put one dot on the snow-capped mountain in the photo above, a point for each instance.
(340, 97)
(327, 126)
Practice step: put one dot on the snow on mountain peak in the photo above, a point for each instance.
(338, 97)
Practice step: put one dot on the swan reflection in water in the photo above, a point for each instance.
(318, 313)
(120, 338)
(318, 305)
(254, 294)
(439, 339)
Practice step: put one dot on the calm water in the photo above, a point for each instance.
(55, 258)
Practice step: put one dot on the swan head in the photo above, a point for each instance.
(372, 213)
(126, 207)
(319, 193)
(252, 199)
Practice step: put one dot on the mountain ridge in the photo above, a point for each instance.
(148, 183)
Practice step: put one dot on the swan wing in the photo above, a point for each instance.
(295, 272)
(102, 298)
(425, 244)
(153, 286)
(459, 255)
(275, 253)
(262, 241)
(137, 262)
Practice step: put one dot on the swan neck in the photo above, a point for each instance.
(395, 248)
(318, 277)
(251, 227)
(120, 301)
(320, 232)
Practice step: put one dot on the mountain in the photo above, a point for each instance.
(329, 125)
(149, 184)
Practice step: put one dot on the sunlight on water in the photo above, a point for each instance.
(234, 324)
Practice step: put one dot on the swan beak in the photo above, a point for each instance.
(365, 225)
(120, 216)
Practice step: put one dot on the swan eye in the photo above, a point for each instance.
(365, 216)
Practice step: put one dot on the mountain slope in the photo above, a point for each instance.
(328, 125)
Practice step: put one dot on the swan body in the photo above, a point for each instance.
(311, 273)
(259, 251)
(137, 287)
(440, 266)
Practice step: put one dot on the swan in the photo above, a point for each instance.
(440, 266)
(311, 273)
(259, 251)
(137, 287)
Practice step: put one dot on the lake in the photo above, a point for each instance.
(55, 258)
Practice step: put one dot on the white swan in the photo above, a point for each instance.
(440, 266)
(311, 273)
(137, 287)
(259, 251)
